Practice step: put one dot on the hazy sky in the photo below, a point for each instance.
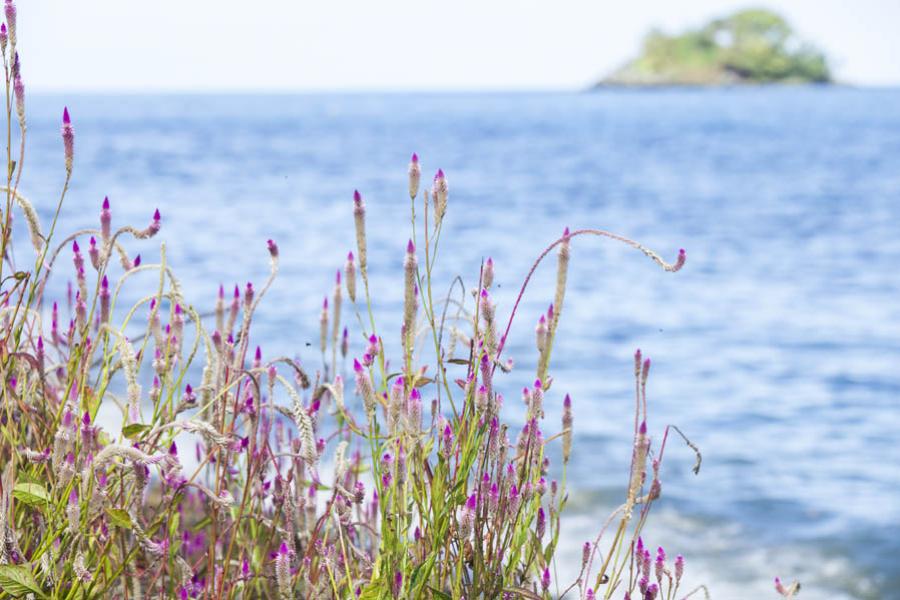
(398, 44)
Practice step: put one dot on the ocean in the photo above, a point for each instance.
(776, 349)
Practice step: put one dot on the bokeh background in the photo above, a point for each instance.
(776, 349)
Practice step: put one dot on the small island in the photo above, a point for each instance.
(749, 47)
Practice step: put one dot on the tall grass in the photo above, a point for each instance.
(231, 475)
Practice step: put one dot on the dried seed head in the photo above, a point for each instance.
(415, 175)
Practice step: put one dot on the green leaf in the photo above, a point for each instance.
(32, 494)
(119, 518)
(17, 581)
(134, 430)
(439, 594)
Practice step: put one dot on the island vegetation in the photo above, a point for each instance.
(749, 47)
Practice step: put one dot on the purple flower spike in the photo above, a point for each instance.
(415, 158)
(86, 419)
(410, 247)
(545, 579)
(273, 248)
(643, 429)
(173, 449)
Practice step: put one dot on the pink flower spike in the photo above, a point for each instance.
(67, 120)
(357, 366)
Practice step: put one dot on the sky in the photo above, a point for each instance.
(307, 45)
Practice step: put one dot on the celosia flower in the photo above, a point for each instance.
(415, 174)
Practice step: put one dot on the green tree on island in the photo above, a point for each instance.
(751, 46)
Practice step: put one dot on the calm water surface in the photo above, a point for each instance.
(777, 349)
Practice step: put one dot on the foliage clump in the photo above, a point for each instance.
(751, 46)
(362, 472)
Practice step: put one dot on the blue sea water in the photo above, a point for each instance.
(776, 349)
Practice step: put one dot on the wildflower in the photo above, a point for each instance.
(567, 428)
(359, 219)
(345, 343)
(440, 195)
(537, 400)
(540, 334)
(350, 278)
(273, 248)
(541, 526)
(4, 37)
(105, 220)
(660, 565)
(447, 443)
(80, 570)
(487, 273)
(94, 253)
(336, 308)
(19, 89)
(249, 294)
(545, 579)
(73, 512)
(467, 517)
(395, 404)
(652, 591)
(104, 300)
(415, 174)
(414, 412)
(679, 568)
(10, 10)
(365, 389)
(398, 583)
(481, 400)
(409, 299)
(155, 224)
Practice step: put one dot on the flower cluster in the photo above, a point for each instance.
(232, 474)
